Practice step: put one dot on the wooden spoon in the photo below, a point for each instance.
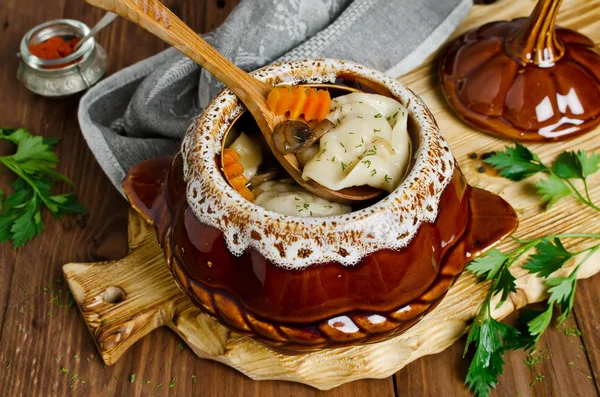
(153, 16)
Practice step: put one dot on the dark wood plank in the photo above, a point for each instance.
(38, 338)
(588, 320)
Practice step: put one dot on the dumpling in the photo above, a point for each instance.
(288, 198)
(250, 154)
(369, 144)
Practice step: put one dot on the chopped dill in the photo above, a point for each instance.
(372, 151)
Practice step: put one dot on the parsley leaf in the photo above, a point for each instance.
(548, 259)
(562, 292)
(491, 338)
(34, 163)
(516, 163)
(493, 266)
(538, 324)
(567, 166)
(505, 285)
(519, 163)
(589, 164)
(552, 189)
(489, 265)
(28, 224)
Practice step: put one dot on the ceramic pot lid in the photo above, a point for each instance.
(524, 79)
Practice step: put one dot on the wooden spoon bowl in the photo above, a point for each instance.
(345, 196)
(153, 16)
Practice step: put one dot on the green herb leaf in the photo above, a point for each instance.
(516, 163)
(562, 291)
(589, 163)
(540, 323)
(28, 224)
(548, 258)
(519, 162)
(552, 189)
(493, 266)
(526, 340)
(567, 166)
(505, 285)
(489, 265)
(487, 363)
(34, 163)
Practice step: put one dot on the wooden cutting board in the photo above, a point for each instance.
(122, 301)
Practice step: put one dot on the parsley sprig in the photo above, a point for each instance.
(34, 163)
(493, 338)
(517, 163)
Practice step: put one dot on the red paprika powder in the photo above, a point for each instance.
(53, 48)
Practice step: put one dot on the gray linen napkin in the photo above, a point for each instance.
(143, 111)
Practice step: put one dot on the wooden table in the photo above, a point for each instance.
(41, 337)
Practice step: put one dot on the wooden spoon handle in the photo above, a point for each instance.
(153, 16)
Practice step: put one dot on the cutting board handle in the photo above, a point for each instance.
(117, 305)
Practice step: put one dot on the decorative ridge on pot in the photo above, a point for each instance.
(297, 242)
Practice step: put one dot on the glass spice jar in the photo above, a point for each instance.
(65, 76)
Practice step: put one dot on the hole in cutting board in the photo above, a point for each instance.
(113, 294)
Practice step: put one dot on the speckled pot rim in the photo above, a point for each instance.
(296, 242)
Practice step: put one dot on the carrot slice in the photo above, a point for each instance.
(298, 100)
(312, 104)
(324, 105)
(239, 182)
(230, 156)
(234, 169)
(297, 108)
(273, 99)
(286, 98)
(246, 193)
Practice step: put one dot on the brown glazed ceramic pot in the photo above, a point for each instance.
(523, 79)
(301, 284)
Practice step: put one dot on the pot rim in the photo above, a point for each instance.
(296, 242)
